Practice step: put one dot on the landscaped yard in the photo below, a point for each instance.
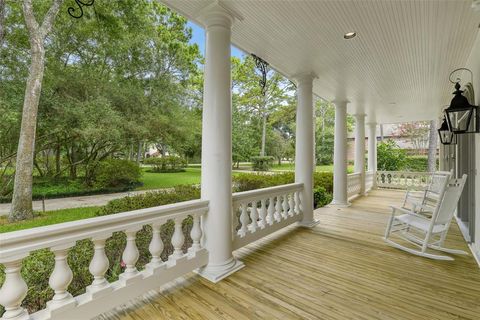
(153, 180)
(48, 218)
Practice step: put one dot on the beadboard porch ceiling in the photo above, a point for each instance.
(395, 70)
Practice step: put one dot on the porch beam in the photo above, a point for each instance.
(359, 163)
(340, 155)
(216, 180)
(305, 146)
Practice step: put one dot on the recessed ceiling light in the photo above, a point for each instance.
(350, 35)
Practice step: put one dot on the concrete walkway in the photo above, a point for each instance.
(75, 202)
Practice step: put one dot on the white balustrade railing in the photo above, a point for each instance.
(369, 180)
(403, 180)
(101, 295)
(257, 213)
(354, 186)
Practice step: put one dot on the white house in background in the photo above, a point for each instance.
(364, 56)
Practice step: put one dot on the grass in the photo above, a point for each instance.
(48, 218)
(287, 166)
(152, 180)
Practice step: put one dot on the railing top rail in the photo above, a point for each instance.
(260, 193)
(20, 243)
(405, 172)
(354, 174)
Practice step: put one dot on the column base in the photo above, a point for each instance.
(219, 272)
(308, 224)
(340, 204)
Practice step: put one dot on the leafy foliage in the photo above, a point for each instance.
(390, 157)
(167, 163)
(261, 163)
(115, 173)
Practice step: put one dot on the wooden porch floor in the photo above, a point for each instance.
(341, 269)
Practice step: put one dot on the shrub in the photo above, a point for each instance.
(167, 163)
(262, 163)
(390, 157)
(417, 163)
(321, 197)
(252, 181)
(150, 199)
(116, 173)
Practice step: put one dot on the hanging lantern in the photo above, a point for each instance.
(446, 136)
(461, 115)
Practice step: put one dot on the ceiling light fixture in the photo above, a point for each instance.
(349, 35)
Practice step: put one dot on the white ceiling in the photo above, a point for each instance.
(395, 70)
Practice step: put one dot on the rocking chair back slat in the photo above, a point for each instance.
(450, 200)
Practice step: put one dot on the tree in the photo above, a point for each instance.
(432, 147)
(252, 99)
(417, 132)
(22, 193)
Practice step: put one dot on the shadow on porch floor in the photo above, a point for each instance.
(341, 269)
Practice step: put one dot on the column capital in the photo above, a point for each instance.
(340, 103)
(303, 77)
(360, 116)
(216, 14)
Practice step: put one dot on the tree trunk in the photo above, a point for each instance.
(2, 21)
(432, 147)
(58, 168)
(22, 191)
(264, 135)
(139, 152)
(21, 208)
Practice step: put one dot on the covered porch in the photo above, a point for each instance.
(266, 253)
(340, 269)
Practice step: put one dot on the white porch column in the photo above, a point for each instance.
(360, 149)
(305, 146)
(372, 150)
(216, 178)
(340, 155)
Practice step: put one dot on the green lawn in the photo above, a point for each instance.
(152, 180)
(48, 218)
(286, 166)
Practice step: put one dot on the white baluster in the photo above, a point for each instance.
(98, 267)
(156, 246)
(291, 205)
(130, 257)
(13, 291)
(196, 233)
(177, 240)
(270, 210)
(278, 209)
(285, 206)
(60, 279)
(253, 216)
(263, 213)
(243, 220)
(99, 264)
(297, 202)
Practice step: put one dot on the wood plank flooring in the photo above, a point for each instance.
(340, 269)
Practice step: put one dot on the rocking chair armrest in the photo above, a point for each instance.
(403, 210)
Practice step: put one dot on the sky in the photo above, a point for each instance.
(198, 37)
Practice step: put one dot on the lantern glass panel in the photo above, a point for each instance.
(459, 119)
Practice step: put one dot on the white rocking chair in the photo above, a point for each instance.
(409, 224)
(425, 201)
